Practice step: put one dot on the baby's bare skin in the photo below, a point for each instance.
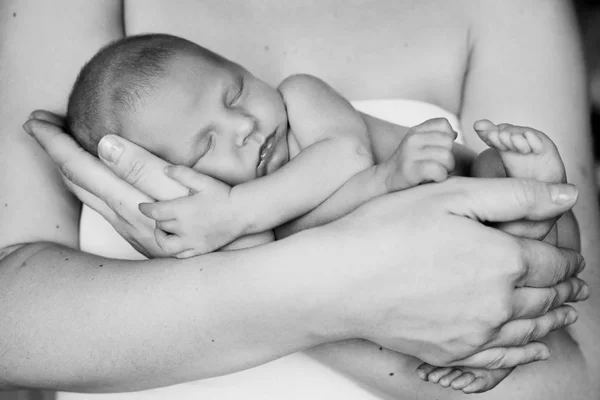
(424, 155)
(518, 152)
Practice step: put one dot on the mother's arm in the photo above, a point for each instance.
(76, 321)
(541, 83)
(56, 300)
(526, 67)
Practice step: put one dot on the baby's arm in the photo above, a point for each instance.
(334, 146)
(425, 154)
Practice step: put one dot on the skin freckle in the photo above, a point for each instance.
(391, 374)
(14, 14)
(24, 264)
(101, 265)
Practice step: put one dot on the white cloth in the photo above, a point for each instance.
(294, 377)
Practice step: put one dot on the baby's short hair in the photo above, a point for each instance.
(116, 80)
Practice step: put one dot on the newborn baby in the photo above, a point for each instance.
(285, 158)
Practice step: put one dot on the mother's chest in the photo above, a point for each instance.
(364, 49)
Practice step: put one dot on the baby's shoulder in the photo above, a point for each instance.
(301, 85)
(303, 92)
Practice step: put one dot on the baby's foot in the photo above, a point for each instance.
(469, 380)
(524, 153)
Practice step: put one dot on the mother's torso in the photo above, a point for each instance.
(365, 49)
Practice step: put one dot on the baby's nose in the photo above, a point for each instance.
(245, 126)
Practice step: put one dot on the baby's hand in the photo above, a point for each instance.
(424, 155)
(199, 223)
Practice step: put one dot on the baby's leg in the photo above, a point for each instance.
(519, 152)
(516, 152)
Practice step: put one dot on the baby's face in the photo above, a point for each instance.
(213, 116)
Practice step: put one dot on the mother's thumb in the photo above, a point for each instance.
(510, 199)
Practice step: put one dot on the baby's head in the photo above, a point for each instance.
(183, 103)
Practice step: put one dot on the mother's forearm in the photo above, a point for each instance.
(75, 321)
(370, 364)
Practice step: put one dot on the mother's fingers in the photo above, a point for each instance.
(139, 168)
(94, 202)
(510, 199)
(547, 265)
(82, 168)
(72, 160)
(506, 357)
(522, 331)
(49, 117)
(532, 302)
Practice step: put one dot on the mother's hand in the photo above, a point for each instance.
(463, 293)
(136, 177)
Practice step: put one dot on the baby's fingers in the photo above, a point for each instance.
(437, 154)
(170, 244)
(171, 226)
(160, 210)
(432, 171)
(193, 180)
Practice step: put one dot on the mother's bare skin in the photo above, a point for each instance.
(295, 49)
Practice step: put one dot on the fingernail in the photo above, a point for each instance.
(110, 149)
(563, 193)
(581, 265)
(571, 317)
(27, 128)
(584, 292)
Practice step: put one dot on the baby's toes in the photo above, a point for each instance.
(494, 141)
(462, 381)
(505, 137)
(521, 144)
(424, 370)
(438, 374)
(535, 141)
(484, 125)
(446, 380)
(478, 385)
(486, 131)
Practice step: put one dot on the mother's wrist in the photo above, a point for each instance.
(317, 276)
(347, 303)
